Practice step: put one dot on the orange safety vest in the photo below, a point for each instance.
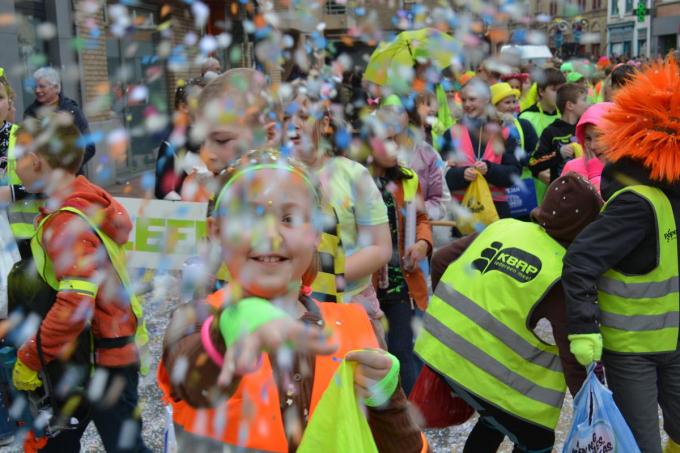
(462, 134)
(254, 408)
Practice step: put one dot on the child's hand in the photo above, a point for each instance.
(243, 356)
(416, 253)
(481, 167)
(567, 151)
(373, 365)
(544, 176)
(470, 174)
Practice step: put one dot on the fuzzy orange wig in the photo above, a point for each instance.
(644, 123)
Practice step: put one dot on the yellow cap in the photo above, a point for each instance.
(500, 91)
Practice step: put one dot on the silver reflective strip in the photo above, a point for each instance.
(21, 216)
(638, 323)
(490, 365)
(638, 290)
(492, 325)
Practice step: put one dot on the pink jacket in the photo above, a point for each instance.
(588, 168)
(428, 165)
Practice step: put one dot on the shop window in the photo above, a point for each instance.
(134, 69)
(33, 52)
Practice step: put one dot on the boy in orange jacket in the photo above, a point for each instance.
(78, 252)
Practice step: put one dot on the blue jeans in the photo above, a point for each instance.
(400, 340)
(119, 429)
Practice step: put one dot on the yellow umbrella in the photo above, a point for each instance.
(427, 43)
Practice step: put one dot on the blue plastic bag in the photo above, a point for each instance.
(522, 198)
(598, 425)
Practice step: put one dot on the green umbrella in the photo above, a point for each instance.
(427, 43)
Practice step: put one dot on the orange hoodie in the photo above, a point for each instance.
(77, 252)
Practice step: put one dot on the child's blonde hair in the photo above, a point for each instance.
(245, 86)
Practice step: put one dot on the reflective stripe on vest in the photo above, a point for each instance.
(262, 429)
(461, 136)
(476, 326)
(116, 254)
(640, 313)
(410, 185)
(12, 177)
(21, 214)
(329, 284)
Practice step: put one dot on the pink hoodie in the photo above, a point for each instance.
(589, 168)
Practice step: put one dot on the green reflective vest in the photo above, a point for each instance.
(116, 254)
(640, 313)
(22, 213)
(475, 330)
(410, 186)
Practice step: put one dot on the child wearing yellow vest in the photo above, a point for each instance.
(91, 321)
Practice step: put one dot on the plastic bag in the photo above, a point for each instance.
(169, 439)
(522, 197)
(477, 200)
(338, 423)
(598, 425)
(9, 254)
(437, 403)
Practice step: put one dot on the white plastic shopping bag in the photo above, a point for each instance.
(9, 254)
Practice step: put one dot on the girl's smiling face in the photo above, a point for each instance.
(266, 231)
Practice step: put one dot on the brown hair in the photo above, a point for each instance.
(569, 92)
(54, 138)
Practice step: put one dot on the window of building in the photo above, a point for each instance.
(582, 4)
(129, 60)
(615, 7)
(335, 8)
(553, 8)
(629, 6)
(642, 48)
(33, 51)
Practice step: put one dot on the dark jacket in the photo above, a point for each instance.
(547, 156)
(623, 238)
(68, 105)
(530, 139)
(499, 175)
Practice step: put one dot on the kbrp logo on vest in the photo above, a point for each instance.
(516, 263)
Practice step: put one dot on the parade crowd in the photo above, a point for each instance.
(407, 227)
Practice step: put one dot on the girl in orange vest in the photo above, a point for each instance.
(248, 368)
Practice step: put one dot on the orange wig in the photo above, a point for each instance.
(644, 123)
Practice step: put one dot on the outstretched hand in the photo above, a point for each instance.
(244, 355)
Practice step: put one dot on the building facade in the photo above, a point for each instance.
(578, 30)
(665, 27)
(121, 63)
(628, 28)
